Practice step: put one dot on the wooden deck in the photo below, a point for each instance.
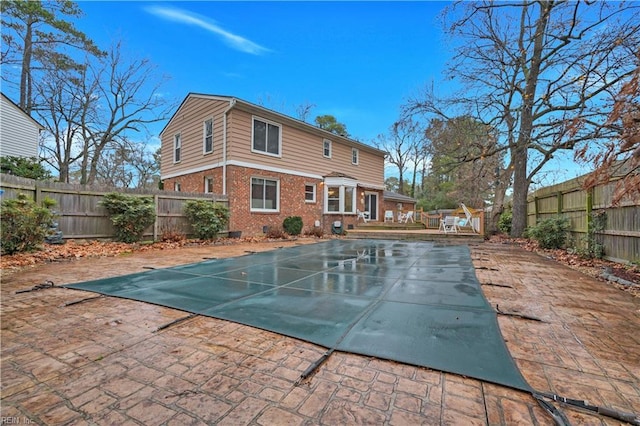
(410, 231)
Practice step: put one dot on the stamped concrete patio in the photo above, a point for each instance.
(103, 362)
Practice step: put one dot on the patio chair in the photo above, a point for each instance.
(469, 221)
(363, 215)
(408, 216)
(449, 224)
(388, 216)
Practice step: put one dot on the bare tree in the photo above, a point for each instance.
(99, 109)
(533, 70)
(303, 110)
(405, 148)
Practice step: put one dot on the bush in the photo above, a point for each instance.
(275, 233)
(31, 168)
(129, 214)
(206, 218)
(315, 231)
(24, 224)
(292, 225)
(504, 222)
(551, 233)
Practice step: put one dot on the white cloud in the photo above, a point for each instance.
(185, 17)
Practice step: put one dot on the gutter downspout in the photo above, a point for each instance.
(232, 103)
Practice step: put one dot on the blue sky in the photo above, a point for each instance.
(357, 61)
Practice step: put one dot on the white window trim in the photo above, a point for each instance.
(273, 123)
(342, 183)
(204, 136)
(277, 181)
(330, 148)
(177, 138)
(206, 189)
(355, 152)
(315, 192)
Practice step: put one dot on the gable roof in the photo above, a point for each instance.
(290, 121)
(14, 105)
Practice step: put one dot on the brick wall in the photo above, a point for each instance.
(292, 201)
(194, 182)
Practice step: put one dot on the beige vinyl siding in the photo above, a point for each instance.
(302, 152)
(188, 121)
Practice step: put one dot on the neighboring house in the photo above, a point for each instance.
(270, 166)
(19, 133)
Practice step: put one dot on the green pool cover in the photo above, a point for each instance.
(413, 302)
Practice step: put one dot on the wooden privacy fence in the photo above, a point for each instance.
(621, 234)
(80, 215)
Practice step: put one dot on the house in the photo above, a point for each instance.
(19, 133)
(269, 165)
(398, 203)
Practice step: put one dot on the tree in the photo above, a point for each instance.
(303, 110)
(461, 171)
(37, 37)
(97, 109)
(405, 147)
(24, 167)
(533, 71)
(620, 157)
(330, 124)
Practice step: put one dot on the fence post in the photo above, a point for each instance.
(560, 206)
(155, 221)
(589, 209)
(37, 194)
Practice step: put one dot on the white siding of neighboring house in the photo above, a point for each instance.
(19, 133)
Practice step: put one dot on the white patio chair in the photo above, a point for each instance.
(408, 216)
(363, 215)
(388, 216)
(449, 224)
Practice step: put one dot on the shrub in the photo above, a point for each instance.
(315, 231)
(292, 225)
(276, 233)
(24, 224)
(31, 168)
(504, 222)
(551, 233)
(129, 214)
(206, 218)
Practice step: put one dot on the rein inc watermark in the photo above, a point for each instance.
(15, 420)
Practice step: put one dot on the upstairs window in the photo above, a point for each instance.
(326, 148)
(266, 137)
(177, 148)
(354, 156)
(207, 130)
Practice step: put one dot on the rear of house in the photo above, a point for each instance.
(270, 166)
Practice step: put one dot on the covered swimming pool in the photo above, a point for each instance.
(413, 302)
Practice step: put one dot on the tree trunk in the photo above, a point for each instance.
(531, 70)
(25, 73)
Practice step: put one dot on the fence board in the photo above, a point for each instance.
(621, 236)
(80, 215)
